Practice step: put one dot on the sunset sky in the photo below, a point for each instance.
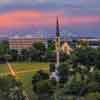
(80, 17)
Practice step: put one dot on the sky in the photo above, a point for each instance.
(77, 17)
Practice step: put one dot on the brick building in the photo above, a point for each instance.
(19, 43)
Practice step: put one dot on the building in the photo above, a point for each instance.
(91, 42)
(26, 42)
(65, 47)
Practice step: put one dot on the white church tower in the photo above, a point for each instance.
(57, 44)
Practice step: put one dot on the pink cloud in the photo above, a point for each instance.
(82, 19)
(21, 19)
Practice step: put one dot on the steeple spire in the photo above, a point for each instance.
(57, 44)
(54, 74)
(57, 28)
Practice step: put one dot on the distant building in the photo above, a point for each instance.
(19, 43)
(91, 42)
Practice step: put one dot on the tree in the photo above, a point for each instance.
(97, 75)
(38, 76)
(39, 51)
(51, 56)
(51, 45)
(39, 46)
(98, 58)
(52, 67)
(92, 96)
(63, 72)
(84, 56)
(69, 91)
(42, 86)
(14, 54)
(10, 89)
(63, 57)
(4, 48)
(24, 54)
(44, 90)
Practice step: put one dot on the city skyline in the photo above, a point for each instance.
(81, 17)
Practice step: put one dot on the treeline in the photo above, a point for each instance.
(38, 52)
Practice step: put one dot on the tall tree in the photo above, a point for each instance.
(4, 46)
(14, 54)
(39, 46)
(85, 56)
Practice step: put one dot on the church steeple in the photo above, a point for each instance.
(57, 44)
(57, 28)
(54, 74)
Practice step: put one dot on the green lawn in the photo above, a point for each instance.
(29, 66)
(3, 68)
(26, 78)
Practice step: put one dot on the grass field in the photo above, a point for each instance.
(29, 66)
(26, 76)
(3, 68)
(26, 79)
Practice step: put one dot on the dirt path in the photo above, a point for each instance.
(11, 70)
